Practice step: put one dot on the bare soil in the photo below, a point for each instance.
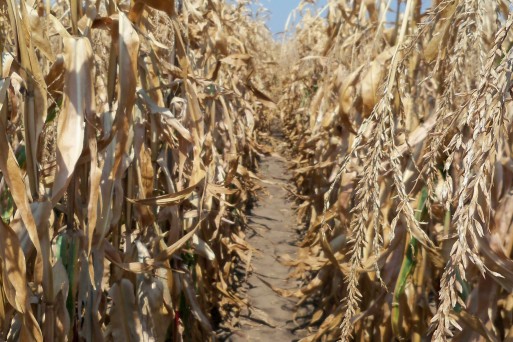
(273, 233)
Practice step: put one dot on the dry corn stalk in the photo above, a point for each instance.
(128, 132)
(402, 144)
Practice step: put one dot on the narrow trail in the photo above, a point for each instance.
(272, 232)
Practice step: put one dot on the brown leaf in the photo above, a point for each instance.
(125, 324)
(38, 33)
(13, 176)
(162, 5)
(15, 281)
(78, 100)
(261, 96)
(170, 199)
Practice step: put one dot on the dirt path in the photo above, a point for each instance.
(272, 232)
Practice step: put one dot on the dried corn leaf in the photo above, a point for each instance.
(78, 102)
(14, 277)
(125, 324)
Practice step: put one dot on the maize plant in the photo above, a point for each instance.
(128, 138)
(399, 114)
(130, 135)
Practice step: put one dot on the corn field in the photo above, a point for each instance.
(131, 134)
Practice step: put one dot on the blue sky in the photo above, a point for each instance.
(280, 10)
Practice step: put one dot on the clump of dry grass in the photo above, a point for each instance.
(402, 135)
(129, 132)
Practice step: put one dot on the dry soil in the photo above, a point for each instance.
(272, 232)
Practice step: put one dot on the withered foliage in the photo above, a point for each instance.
(400, 117)
(127, 136)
